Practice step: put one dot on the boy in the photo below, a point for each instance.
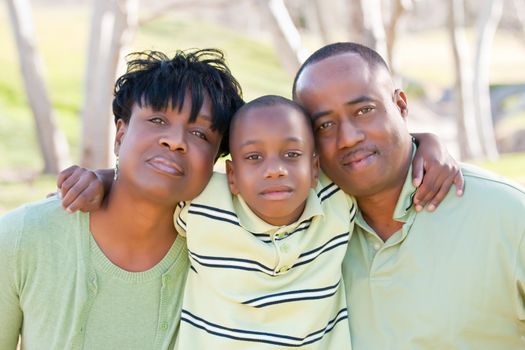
(266, 258)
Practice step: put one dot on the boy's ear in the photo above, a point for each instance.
(315, 169)
(119, 136)
(231, 177)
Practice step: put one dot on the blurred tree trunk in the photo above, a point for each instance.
(52, 141)
(286, 37)
(373, 26)
(488, 20)
(398, 11)
(468, 138)
(320, 7)
(112, 25)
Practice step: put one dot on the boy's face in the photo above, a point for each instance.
(273, 164)
(163, 155)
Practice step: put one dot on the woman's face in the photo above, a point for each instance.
(165, 157)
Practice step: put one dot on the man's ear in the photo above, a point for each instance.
(231, 177)
(119, 135)
(401, 101)
(315, 169)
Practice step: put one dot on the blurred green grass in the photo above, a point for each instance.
(62, 34)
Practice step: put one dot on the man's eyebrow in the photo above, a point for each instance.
(360, 99)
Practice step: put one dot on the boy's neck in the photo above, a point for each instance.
(135, 235)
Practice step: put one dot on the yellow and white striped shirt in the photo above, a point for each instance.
(257, 286)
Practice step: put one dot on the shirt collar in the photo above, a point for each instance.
(252, 223)
(405, 202)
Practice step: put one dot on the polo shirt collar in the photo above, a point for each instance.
(252, 223)
(405, 203)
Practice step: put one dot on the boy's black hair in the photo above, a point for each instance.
(371, 57)
(155, 80)
(271, 100)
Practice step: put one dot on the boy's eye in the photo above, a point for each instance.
(292, 154)
(253, 157)
(365, 110)
(157, 120)
(199, 134)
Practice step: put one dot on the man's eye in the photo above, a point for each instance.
(253, 157)
(325, 125)
(292, 154)
(365, 110)
(199, 134)
(157, 120)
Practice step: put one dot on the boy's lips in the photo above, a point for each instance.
(277, 192)
(166, 166)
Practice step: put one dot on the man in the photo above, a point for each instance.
(451, 279)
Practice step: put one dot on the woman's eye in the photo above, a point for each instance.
(157, 120)
(199, 134)
(292, 154)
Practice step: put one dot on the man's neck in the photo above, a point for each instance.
(135, 235)
(378, 212)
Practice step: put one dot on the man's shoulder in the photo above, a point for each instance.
(486, 182)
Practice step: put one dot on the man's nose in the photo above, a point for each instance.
(349, 135)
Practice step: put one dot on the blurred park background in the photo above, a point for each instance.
(462, 63)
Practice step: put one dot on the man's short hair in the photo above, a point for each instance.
(371, 57)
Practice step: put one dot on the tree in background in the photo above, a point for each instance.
(53, 144)
(113, 24)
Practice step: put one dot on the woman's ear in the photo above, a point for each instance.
(315, 169)
(119, 135)
(231, 177)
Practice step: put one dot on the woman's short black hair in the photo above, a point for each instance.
(153, 79)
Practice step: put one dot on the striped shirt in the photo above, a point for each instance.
(257, 286)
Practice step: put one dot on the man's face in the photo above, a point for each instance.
(163, 155)
(273, 165)
(359, 123)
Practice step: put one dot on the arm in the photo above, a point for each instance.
(84, 189)
(433, 172)
(10, 310)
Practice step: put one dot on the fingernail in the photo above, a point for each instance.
(459, 192)
(59, 194)
(69, 210)
(431, 207)
(418, 207)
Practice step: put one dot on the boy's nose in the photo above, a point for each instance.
(274, 169)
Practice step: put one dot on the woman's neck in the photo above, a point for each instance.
(134, 233)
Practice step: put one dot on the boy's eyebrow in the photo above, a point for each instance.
(254, 142)
(360, 99)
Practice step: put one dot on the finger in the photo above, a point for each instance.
(417, 171)
(440, 195)
(64, 174)
(459, 182)
(73, 192)
(90, 199)
(428, 188)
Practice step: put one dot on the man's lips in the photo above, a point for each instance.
(277, 192)
(359, 159)
(166, 166)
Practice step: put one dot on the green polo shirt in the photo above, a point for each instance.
(451, 279)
